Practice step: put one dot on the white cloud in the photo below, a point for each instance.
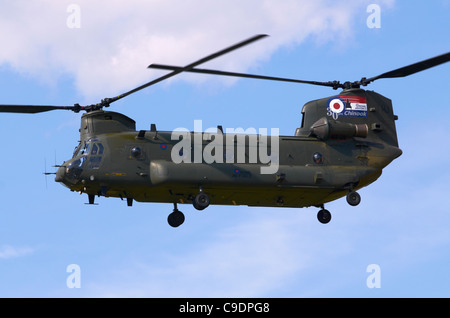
(7, 251)
(117, 40)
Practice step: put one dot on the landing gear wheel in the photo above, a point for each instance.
(324, 216)
(353, 198)
(201, 201)
(175, 218)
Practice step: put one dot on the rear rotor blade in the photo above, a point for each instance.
(189, 67)
(411, 69)
(234, 74)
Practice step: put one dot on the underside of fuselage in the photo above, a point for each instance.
(281, 193)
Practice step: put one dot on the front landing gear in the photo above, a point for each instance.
(176, 218)
(324, 216)
(201, 201)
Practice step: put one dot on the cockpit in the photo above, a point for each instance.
(87, 155)
(90, 151)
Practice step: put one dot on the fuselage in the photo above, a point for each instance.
(115, 160)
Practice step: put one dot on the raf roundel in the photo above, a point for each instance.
(336, 105)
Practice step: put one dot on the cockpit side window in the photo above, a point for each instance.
(95, 156)
(100, 149)
(94, 150)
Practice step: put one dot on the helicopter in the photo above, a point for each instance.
(343, 144)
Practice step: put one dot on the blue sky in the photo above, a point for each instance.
(401, 224)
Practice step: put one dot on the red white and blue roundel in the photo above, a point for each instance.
(349, 106)
(336, 105)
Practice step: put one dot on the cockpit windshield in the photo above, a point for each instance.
(91, 146)
(82, 149)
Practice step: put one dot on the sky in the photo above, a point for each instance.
(66, 52)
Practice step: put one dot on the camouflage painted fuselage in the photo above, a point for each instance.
(328, 155)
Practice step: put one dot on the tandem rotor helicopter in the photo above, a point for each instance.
(342, 145)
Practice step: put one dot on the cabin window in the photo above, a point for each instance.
(318, 158)
(136, 152)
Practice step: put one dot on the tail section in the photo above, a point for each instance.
(352, 113)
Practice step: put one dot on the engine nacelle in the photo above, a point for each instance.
(324, 129)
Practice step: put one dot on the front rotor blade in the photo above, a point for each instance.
(413, 68)
(31, 109)
(190, 66)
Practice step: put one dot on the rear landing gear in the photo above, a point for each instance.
(176, 218)
(324, 216)
(201, 201)
(353, 198)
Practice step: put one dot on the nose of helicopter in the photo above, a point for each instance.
(60, 174)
